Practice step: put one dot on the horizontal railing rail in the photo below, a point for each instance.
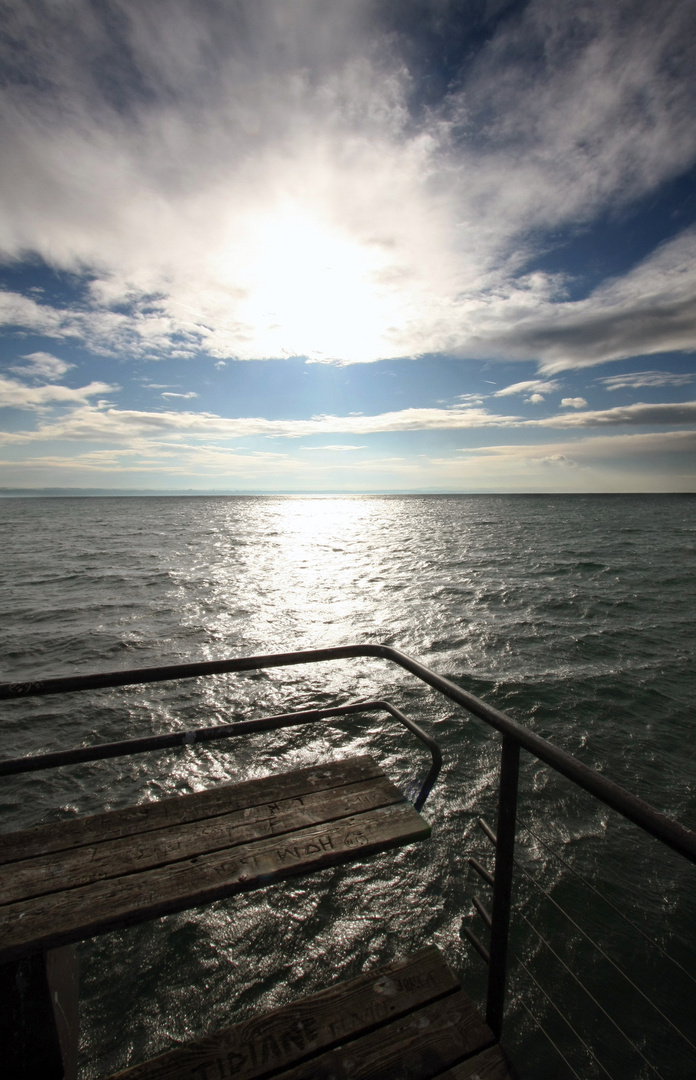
(612, 794)
(149, 743)
(515, 737)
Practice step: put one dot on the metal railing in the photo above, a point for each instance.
(515, 737)
(126, 747)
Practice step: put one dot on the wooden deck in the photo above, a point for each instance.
(65, 882)
(407, 1021)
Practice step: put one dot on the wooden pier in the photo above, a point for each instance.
(409, 1020)
(65, 882)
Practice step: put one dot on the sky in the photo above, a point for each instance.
(348, 245)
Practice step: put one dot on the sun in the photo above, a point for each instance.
(311, 290)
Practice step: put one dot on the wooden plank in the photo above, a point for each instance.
(488, 1065)
(115, 858)
(62, 918)
(416, 1047)
(183, 808)
(284, 1036)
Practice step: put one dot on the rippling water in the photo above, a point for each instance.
(575, 614)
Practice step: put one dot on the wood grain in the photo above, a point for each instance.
(416, 1047)
(156, 847)
(265, 1044)
(76, 913)
(184, 808)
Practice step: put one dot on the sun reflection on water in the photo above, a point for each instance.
(309, 571)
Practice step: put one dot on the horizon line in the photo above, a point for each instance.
(78, 492)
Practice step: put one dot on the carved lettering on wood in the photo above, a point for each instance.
(262, 1052)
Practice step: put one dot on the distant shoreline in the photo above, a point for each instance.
(121, 493)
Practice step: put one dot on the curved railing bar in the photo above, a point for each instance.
(669, 832)
(126, 747)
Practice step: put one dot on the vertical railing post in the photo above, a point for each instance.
(502, 890)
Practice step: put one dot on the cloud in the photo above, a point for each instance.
(635, 380)
(16, 395)
(624, 414)
(241, 180)
(172, 394)
(539, 386)
(147, 331)
(42, 365)
(652, 309)
(555, 461)
(597, 447)
(103, 422)
(93, 423)
(573, 402)
(334, 446)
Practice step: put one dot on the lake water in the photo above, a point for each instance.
(574, 614)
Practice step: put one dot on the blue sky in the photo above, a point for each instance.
(348, 245)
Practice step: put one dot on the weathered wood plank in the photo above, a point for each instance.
(488, 1065)
(95, 862)
(184, 808)
(416, 1047)
(61, 918)
(284, 1036)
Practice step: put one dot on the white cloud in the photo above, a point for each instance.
(634, 461)
(638, 379)
(147, 332)
(172, 394)
(42, 365)
(539, 386)
(95, 424)
(573, 402)
(17, 395)
(102, 422)
(334, 446)
(555, 461)
(242, 179)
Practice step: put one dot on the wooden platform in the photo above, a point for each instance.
(68, 881)
(407, 1021)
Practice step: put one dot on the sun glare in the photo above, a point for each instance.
(315, 292)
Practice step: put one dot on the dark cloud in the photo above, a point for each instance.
(594, 336)
(638, 414)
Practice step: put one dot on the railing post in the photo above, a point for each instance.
(502, 890)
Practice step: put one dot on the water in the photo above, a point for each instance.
(574, 614)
